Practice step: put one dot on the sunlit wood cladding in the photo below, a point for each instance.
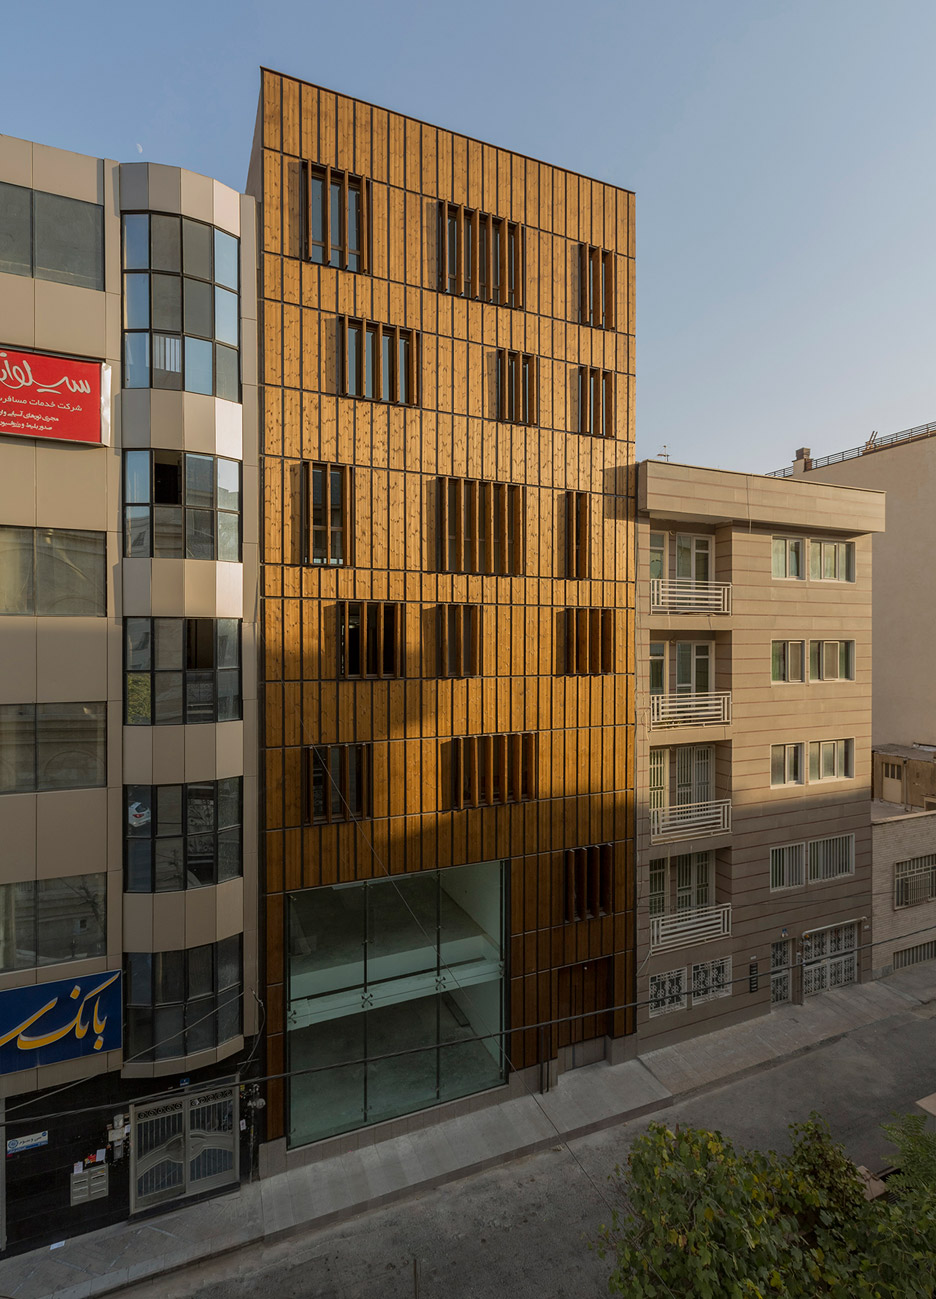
(595, 402)
(481, 527)
(516, 387)
(589, 882)
(335, 227)
(459, 640)
(393, 456)
(480, 256)
(586, 641)
(335, 783)
(491, 769)
(596, 287)
(379, 362)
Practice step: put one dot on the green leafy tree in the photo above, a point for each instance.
(702, 1220)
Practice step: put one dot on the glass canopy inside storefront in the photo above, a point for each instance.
(396, 991)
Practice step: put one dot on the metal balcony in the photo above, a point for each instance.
(690, 710)
(683, 595)
(687, 928)
(690, 820)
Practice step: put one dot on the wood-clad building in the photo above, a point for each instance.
(447, 674)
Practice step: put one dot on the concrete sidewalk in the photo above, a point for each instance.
(583, 1101)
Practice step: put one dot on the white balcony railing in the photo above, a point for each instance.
(686, 928)
(683, 595)
(690, 710)
(690, 820)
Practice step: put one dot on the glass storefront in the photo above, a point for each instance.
(396, 996)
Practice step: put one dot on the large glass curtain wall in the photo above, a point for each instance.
(396, 996)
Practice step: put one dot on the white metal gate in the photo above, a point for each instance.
(830, 958)
(183, 1147)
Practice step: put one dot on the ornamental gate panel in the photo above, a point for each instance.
(183, 1147)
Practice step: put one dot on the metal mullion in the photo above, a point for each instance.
(583, 284)
(413, 368)
(326, 261)
(326, 509)
(343, 223)
(307, 177)
(489, 257)
(378, 365)
(460, 250)
(345, 375)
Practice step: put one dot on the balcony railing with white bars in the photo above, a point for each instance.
(686, 928)
(690, 709)
(690, 820)
(684, 595)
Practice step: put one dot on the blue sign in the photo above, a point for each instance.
(49, 1022)
(30, 1142)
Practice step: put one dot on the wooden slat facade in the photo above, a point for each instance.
(396, 455)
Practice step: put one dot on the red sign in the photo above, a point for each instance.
(51, 397)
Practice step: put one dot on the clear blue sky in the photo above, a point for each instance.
(782, 152)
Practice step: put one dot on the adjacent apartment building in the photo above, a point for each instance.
(753, 743)
(128, 728)
(447, 726)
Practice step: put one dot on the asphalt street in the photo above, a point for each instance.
(524, 1229)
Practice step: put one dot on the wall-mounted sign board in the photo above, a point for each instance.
(55, 397)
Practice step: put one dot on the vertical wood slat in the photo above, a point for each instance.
(327, 230)
(444, 250)
(460, 251)
(343, 222)
(475, 246)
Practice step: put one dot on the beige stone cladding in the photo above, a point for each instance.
(904, 852)
(714, 624)
(904, 614)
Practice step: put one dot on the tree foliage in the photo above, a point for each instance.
(702, 1220)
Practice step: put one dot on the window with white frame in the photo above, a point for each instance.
(658, 869)
(787, 660)
(659, 765)
(667, 992)
(831, 759)
(686, 881)
(915, 881)
(787, 557)
(831, 660)
(693, 558)
(832, 857)
(711, 979)
(657, 667)
(786, 764)
(657, 555)
(788, 866)
(832, 561)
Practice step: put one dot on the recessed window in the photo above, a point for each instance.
(577, 535)
(596, 287)
(378, 362)
(183, 1001)
(711, 979)
(334, 218)
(787, 660)
(182, 836)
(830, 858)
(43, 922)
(370, 639)
(832, 561)
(181, 306)
(667, 992)
(831, 759)
(788, 866)
(336, 783)
(657, 667)
(52, 746)
(589, 882)
(586, 641)
(51, 237)
(516, 387)
(179, 505)
(490, 769)
(831, 660)
(326, 525)
(786, 764)
(480, 527)
(52, 572)
(915, 881)
(787, 557)
(480, 256)
(459, 631)
(892, 771)
(595, 402)
(181, 671)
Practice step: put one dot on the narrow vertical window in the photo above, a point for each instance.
(578, 539)
(326, 490)
(480, 256)
(334, 226)
(596, 287)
